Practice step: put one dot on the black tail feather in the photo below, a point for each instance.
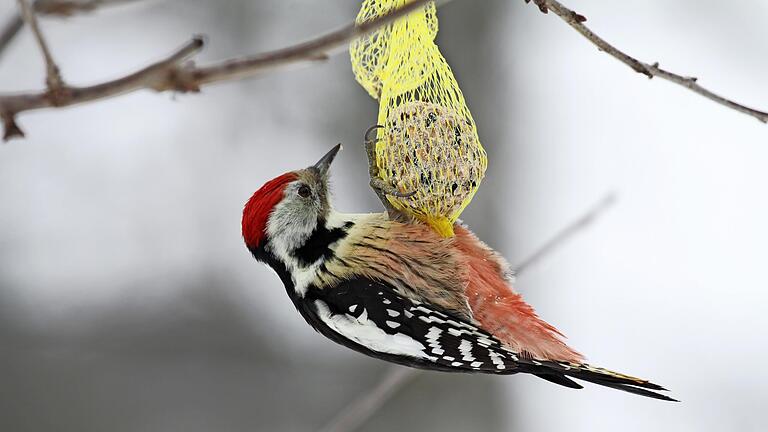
(629, 388)
(560, 373)
(560, 379)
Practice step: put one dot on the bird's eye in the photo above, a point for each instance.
(304, 191)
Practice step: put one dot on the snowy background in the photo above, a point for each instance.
(128, 302)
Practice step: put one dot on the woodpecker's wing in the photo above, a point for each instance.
(372, 318)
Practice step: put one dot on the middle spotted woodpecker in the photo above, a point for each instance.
(400, 292)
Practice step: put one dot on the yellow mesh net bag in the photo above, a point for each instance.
(428, 143)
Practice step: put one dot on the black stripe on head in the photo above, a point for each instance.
(318, 244)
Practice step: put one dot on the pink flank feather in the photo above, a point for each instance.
(501, 310)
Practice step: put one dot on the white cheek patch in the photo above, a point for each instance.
(366, 333)
(288, 230)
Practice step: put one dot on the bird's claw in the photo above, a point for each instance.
(370, 150)
(367, 135)
(382, 188)
(387, 189)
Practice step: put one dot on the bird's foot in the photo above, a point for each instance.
(379, 186)
(387, 189)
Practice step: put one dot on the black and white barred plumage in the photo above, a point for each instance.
(397, 292)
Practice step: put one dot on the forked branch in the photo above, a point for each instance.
(52, 74)
(171, 74)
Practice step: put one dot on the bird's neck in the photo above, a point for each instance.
(297, 254)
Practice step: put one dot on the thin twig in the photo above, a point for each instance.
(61, 8)
(52, 74)
(576, 21)
(189, 77)
(360, 410)
(558, 240)
(11, 28)
(72, 7)
(357, 412)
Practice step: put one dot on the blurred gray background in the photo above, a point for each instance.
(128, 302)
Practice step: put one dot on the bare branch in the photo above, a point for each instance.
(52, 75)
(576, 21)
(171, 75)
(566, 233)
(160, 75)
(191, 78)
(361, 409)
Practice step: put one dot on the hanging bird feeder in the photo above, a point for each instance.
(428, 155)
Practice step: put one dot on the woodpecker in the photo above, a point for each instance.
(398, 291)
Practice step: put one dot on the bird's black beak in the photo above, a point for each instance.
(325, 162)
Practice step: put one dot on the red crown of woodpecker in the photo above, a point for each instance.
(259, 207)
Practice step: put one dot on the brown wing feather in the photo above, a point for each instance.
(409, 257)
